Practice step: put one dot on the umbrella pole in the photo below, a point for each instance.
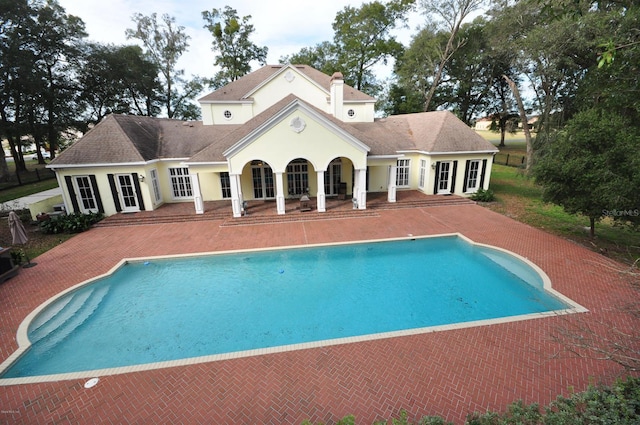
(29, 263)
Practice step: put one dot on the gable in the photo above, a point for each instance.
(296, 131)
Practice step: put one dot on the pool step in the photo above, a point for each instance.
(66, 317)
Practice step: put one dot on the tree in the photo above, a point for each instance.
(164, 43)
(322, 56)
(362, 39)
(450, 14)
(591, 167)
(40, 45)
(118, 79)
(414, 71)
(235, 51)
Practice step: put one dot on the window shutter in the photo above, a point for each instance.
(484, 168)
(94, 185)
(453, 176)
(72, 194)
(436, 180)
(136, 183)
(114, 192)
(466, 176)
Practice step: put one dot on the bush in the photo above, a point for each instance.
(70, 223)
(483, 195)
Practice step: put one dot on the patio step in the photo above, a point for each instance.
(263, 217)
(296, 216)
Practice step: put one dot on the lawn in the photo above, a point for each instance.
(520, 198)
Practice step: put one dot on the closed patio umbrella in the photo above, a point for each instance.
(18, 233)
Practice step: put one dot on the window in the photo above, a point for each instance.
(423, 173)
(473, 176)
(402, 176)
(297, 177)
(227, 114)
(155, 186)
(225, 184)
(351, 113)
(181, 183)
(85, 194)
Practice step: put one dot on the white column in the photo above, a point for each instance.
(321, 196)
(236, 195)
(391, 190)
(197, 193)
(362, 189)
(280, 203)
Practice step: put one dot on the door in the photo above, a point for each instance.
(127, 193)
(86, 195)
(444, 177)
(333, 177)
(262, 182)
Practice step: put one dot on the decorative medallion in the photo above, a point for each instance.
(297, 124)
(289, 76)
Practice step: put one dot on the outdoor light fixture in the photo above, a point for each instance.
(140, 177)
(433, 165)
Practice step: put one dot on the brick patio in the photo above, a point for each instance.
(449, 374)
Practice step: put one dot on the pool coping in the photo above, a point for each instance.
(24, 343)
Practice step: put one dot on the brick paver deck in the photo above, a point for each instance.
(449, 374)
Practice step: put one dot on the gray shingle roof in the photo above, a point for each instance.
(238, 90)
(121, 139)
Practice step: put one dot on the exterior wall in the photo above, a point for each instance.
(280, 145)
(213, 113)
(459, 182)
(364, 112)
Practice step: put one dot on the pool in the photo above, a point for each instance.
(159, 312)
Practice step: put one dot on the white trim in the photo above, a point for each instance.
(116, 164)
(277, 118)
(277, 74)
(225, 102)
(448, 153)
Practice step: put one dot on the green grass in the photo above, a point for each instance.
(519, 197)
(27, 189)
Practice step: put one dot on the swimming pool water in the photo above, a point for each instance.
(159, 310)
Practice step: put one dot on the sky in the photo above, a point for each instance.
(284, 26)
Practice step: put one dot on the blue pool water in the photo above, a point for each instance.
(159, 310)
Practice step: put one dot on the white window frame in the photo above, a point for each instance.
(225, 185)
(423, 173)
(473, 178)
(444, 185)
(181, 185)
(155, 186)
(403, 172)
(81, 193)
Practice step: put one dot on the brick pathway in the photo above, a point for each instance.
(449, 374)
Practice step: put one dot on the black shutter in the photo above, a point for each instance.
(96, 192)
(436, 181)
(136, 183)
(466, 176)
(72, 194)
(114, 192)
(453, 176)
(484, 168)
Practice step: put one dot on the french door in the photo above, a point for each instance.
(444, 177)
(262, 182)
(127, 193)
(332, 178)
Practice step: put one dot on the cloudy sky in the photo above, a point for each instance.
(284, 26)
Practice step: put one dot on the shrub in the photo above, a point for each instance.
(70, 223)
(483, 195)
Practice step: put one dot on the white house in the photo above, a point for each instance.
(276, 133)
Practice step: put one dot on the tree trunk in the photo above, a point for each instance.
(592, 229)
(523, 119)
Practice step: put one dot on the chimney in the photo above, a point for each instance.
(337, 94)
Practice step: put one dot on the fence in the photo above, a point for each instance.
(509, 159)
(25, 177)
